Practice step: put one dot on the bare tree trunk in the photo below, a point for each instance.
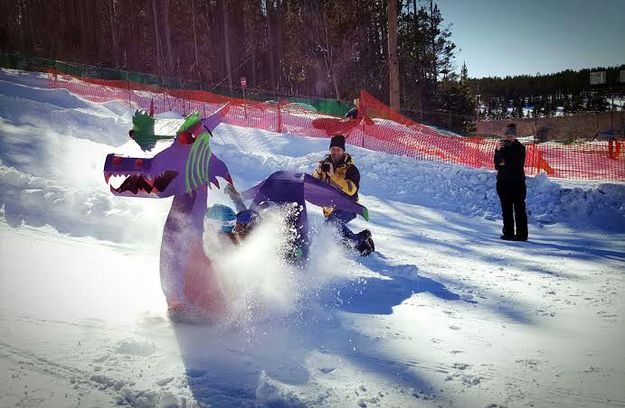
(96, 35)
(250, 37)
(170, 51)
(329, 59)
(113, 26)
(227, 42)
(433, 39)
(278, 46)
(207, 33)
(21, 28)
(392, 55)
(195, 62)
(270, 42)
(29, 17)
(58, 39)
(132, 56)
(157, 37)
(83, 30)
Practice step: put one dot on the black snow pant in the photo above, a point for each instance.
(512, 197)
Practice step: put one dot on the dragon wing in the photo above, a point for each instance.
(324, 195)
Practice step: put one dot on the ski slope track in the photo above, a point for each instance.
(443, 314)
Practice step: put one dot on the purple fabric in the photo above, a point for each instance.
(289, 187)
(285, 186)
(184, 228)
(211, 122)
(322, 194)
(217, 168)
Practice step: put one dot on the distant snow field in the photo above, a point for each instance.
(443, 314)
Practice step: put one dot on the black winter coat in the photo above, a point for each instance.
(352, 114)
(513, 156)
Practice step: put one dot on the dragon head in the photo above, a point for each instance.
(184, 166)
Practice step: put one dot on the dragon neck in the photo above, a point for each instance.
(185, 221)
(182, 244)
(188, 277)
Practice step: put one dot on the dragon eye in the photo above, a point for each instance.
(139, 163)
(116, 160)
(186, 137)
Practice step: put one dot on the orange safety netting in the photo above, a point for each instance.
(376, 127)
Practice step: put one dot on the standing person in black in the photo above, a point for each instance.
(353, 112)
(509, 161)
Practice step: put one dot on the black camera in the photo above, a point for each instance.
(325, 165)
(505, 142)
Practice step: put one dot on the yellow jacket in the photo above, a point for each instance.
(346, 178)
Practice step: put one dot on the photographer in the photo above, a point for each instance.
(338, 169)
(509, 162)
(353, 112)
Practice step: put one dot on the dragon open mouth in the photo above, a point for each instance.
(140, 184)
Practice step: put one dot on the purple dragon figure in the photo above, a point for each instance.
(185, 171)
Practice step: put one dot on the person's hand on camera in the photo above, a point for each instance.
(320, 167)
(329, 169)
(325, 166)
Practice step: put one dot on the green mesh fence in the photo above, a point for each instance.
(20, 61)
(26, 63)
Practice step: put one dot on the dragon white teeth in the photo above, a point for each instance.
(116, 180)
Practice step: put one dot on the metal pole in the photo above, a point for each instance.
(244, 104)
(612, 115)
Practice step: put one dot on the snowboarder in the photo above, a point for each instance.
(339, 170)
(236, 226)
(289, 191)
(509, 161)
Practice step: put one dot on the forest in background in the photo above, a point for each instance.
(565, 93)
(314, 48)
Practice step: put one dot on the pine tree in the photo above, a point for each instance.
(392, 55)
(457, 102)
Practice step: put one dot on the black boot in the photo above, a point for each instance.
(365, 247)
(364, 235)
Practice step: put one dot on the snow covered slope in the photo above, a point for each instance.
(443, 314)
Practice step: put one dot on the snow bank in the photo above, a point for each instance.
(443, 314)
(464, 190)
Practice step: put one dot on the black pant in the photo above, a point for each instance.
(512, 197)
